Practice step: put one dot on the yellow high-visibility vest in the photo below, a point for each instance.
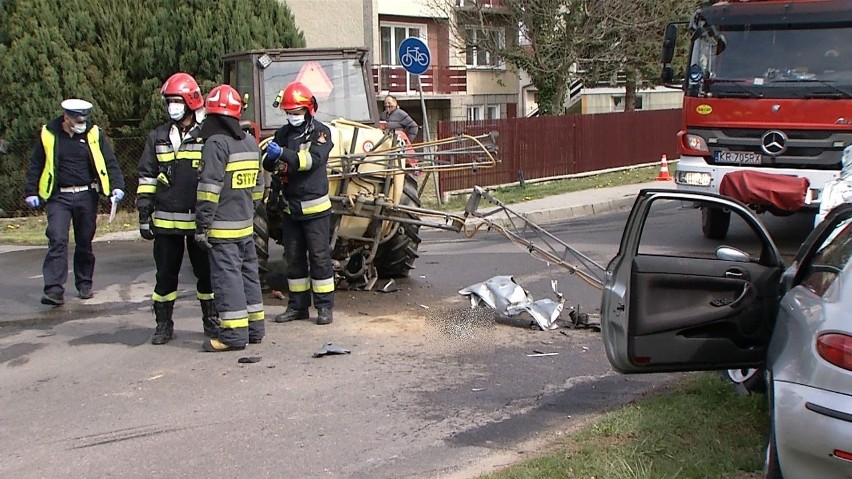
(47, 182)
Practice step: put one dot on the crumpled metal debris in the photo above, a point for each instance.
(508, 298)
(329, 348)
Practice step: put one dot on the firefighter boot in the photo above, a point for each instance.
(210, 318)
(291, 314)
(324, 316)
(165, 326)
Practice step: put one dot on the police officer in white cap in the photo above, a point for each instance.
(72, 164)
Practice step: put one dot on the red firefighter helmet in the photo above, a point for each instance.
(184, 86)
(224, 100)
(296, 95)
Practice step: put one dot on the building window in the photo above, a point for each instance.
(483, 112)
(474, 113)
(618, 102)
(479, 42)
(392, 37)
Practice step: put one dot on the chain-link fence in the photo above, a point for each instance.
(15, 160)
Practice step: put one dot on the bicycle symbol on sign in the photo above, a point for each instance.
(414, 55)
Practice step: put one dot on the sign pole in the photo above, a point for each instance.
(414, 56)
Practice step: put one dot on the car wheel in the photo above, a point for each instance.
(771, 468)
(747, 380)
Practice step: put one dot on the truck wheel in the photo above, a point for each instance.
(395, 257)
(261, 244)
(715, 222)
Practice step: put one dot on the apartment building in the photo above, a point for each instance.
(460, 83)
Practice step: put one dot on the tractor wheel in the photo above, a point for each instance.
(395, 257)
(715, 222)
(261, 244)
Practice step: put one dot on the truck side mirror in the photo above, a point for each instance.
(667, 75)
(669, 43)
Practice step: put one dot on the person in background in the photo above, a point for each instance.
(297, 157)
(838, 190)
(230, 184)
(398, 119)
(71, 164)
(165, 198)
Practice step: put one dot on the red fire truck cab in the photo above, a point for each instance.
(767, 108)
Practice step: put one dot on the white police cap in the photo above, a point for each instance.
(77, 108)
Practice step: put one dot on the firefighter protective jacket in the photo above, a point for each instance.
(168, 178)
(42, 176)
(306, 151)
(230, 181)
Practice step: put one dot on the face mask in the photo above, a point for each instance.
(78, 128)
(177, 111)
(295, 120)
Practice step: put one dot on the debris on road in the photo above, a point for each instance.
(249, 359)
(389, 287)
(537, 354)
(329, 348)
(508, 298)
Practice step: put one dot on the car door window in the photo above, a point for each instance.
(830, 259)
(669, 219)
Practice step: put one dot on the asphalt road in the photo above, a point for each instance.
(431, 388)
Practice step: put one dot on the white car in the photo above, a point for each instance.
(669, 306)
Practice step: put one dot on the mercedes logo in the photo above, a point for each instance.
(773, 142)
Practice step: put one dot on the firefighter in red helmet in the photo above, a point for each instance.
(230, 184)
(168, 171)
(298, 156)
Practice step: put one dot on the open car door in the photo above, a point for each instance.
(677, 301)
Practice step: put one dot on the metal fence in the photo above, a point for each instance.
(16, 159)
(553, 146)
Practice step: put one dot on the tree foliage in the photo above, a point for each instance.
(624, 38)
(561, 41)
(117, 54)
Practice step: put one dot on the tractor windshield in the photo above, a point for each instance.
(338, 84)
(775, 61)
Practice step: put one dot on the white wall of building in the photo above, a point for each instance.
(608, 100)
(336, 23)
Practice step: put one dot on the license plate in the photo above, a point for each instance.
(739, 157)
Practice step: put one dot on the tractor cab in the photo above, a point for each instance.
(338, 77)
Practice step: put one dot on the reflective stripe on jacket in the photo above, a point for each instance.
(47, 180)
(306, 154)
(168, 178)
(229, 180)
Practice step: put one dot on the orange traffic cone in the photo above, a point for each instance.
(664, 170)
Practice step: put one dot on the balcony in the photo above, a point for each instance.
(437, 80)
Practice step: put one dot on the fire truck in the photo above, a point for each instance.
(767, 107)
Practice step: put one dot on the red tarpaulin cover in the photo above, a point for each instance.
(757, 188)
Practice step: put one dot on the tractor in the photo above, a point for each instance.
(376, 212)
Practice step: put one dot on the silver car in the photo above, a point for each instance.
(669, 306)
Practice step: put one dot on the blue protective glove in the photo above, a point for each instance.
(273, 151)
(118, 195)
(33, 201)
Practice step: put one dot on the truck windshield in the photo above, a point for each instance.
(338, 84)
(777, 62)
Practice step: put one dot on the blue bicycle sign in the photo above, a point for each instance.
(414, 55)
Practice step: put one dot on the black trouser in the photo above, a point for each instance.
(63, 210)
(306, 243)
(168, 256)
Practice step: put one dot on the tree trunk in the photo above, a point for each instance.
(630, 92)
